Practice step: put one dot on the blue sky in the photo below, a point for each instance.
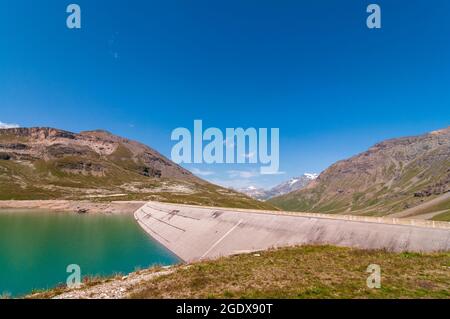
(310, 68)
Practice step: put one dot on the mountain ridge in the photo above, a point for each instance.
(391, 176)
(50, 163)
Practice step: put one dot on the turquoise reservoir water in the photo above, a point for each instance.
(37, 246)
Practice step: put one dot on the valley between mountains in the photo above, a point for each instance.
(402, 177)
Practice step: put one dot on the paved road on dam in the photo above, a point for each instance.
(195, 233)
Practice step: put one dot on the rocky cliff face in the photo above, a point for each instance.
(389, 177)
(94, 150)
(43, 163)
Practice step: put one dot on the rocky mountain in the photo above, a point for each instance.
(291, 185)
(390, 177)
(48, 163)
(254, 192)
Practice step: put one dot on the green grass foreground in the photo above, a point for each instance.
(308, 272)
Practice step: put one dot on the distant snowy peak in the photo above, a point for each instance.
(291, 185)
(306, 176)
(311, 176)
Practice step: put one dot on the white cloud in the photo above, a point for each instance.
(242, 174)
(200, 172)
(233, 183)
(8, 125)
(275, 173)
(249, 155)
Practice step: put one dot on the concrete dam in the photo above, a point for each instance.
(195, 233)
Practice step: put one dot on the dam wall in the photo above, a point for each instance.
(195, 233)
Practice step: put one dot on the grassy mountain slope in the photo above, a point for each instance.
(392, 176)
(47, 163)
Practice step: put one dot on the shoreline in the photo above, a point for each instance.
(75, 206)
(174, 282)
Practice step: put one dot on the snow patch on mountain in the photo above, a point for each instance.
(291, 185)
(311, 176)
